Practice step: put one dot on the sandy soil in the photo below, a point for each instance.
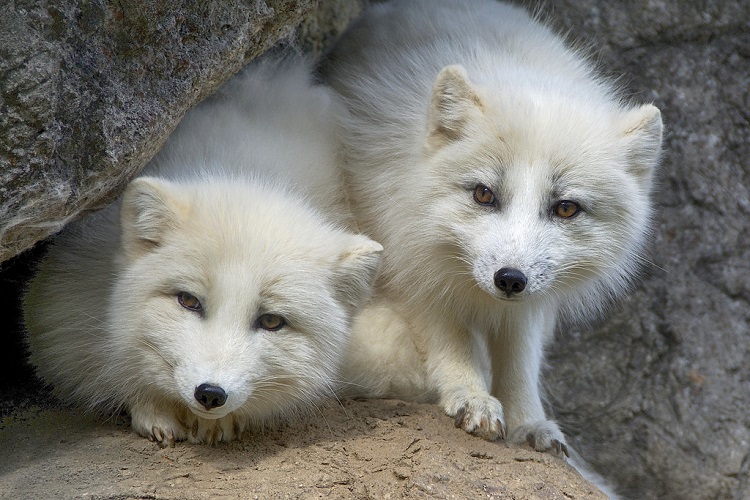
(359, 449)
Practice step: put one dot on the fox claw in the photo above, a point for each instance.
(458, 420)
(542, 436)
(481, 416)
(163, 439)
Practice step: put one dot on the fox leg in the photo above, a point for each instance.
(458, 368)
(517, 356)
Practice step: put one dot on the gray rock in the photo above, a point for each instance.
(657, 397)
(90, 90)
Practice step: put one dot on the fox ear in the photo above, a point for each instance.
(357, 269)
(149, 210)
(452, 106)
(642, 132)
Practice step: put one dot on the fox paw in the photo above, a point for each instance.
(166, 427)
(206, 431)
(159, 426)
(478, 413)
(542, 436)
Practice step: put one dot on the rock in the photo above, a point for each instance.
(90, 90)
(657, 397)
(415, 452)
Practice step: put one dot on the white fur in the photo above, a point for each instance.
(216, 214)
(447, 95)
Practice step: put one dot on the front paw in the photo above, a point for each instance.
(543, 436)
(477, 413)
(159, 425)
(214, 431)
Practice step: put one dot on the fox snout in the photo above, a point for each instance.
(210, 396)
(510, 281)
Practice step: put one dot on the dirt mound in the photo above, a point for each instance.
(359, 449)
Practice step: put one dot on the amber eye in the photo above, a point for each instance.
(566, 209)
(271, 322)
(484, 195)
(189, 301)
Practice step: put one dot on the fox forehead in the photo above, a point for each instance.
(528, 125)
(245, 274)
(245, 258)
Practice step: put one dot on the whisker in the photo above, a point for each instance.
(156, 350)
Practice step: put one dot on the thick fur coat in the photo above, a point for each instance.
(213, 294)
(510, 187)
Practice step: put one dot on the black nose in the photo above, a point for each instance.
(210, 396)
(510, 281)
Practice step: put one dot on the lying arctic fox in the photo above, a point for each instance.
(510, 187)
(213, 295)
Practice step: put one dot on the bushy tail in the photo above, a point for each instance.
(591, 476)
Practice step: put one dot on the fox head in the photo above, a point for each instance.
(538, 195)
(234, 296)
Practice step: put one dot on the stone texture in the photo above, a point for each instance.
(348, 450)
(90, 90)
(658, 396)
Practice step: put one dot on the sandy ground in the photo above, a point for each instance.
(358, 449)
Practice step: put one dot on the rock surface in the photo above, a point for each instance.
(656, 397)
(90, 90)
(366, 449)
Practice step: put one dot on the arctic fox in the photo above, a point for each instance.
(510, 187)
(214, 294)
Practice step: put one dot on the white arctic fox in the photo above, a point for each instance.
(509, 186)
(213, 295)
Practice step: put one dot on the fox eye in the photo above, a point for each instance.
(190, 302)
(566, 209)
(484, 195)
(271, 322)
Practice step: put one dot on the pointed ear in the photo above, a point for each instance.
(642, 132)
(357, 269)
(150, 208)
(452, 106)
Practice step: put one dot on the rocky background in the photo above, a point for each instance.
(657, 397)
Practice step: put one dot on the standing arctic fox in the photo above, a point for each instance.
(509, 186)
(213, 295)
